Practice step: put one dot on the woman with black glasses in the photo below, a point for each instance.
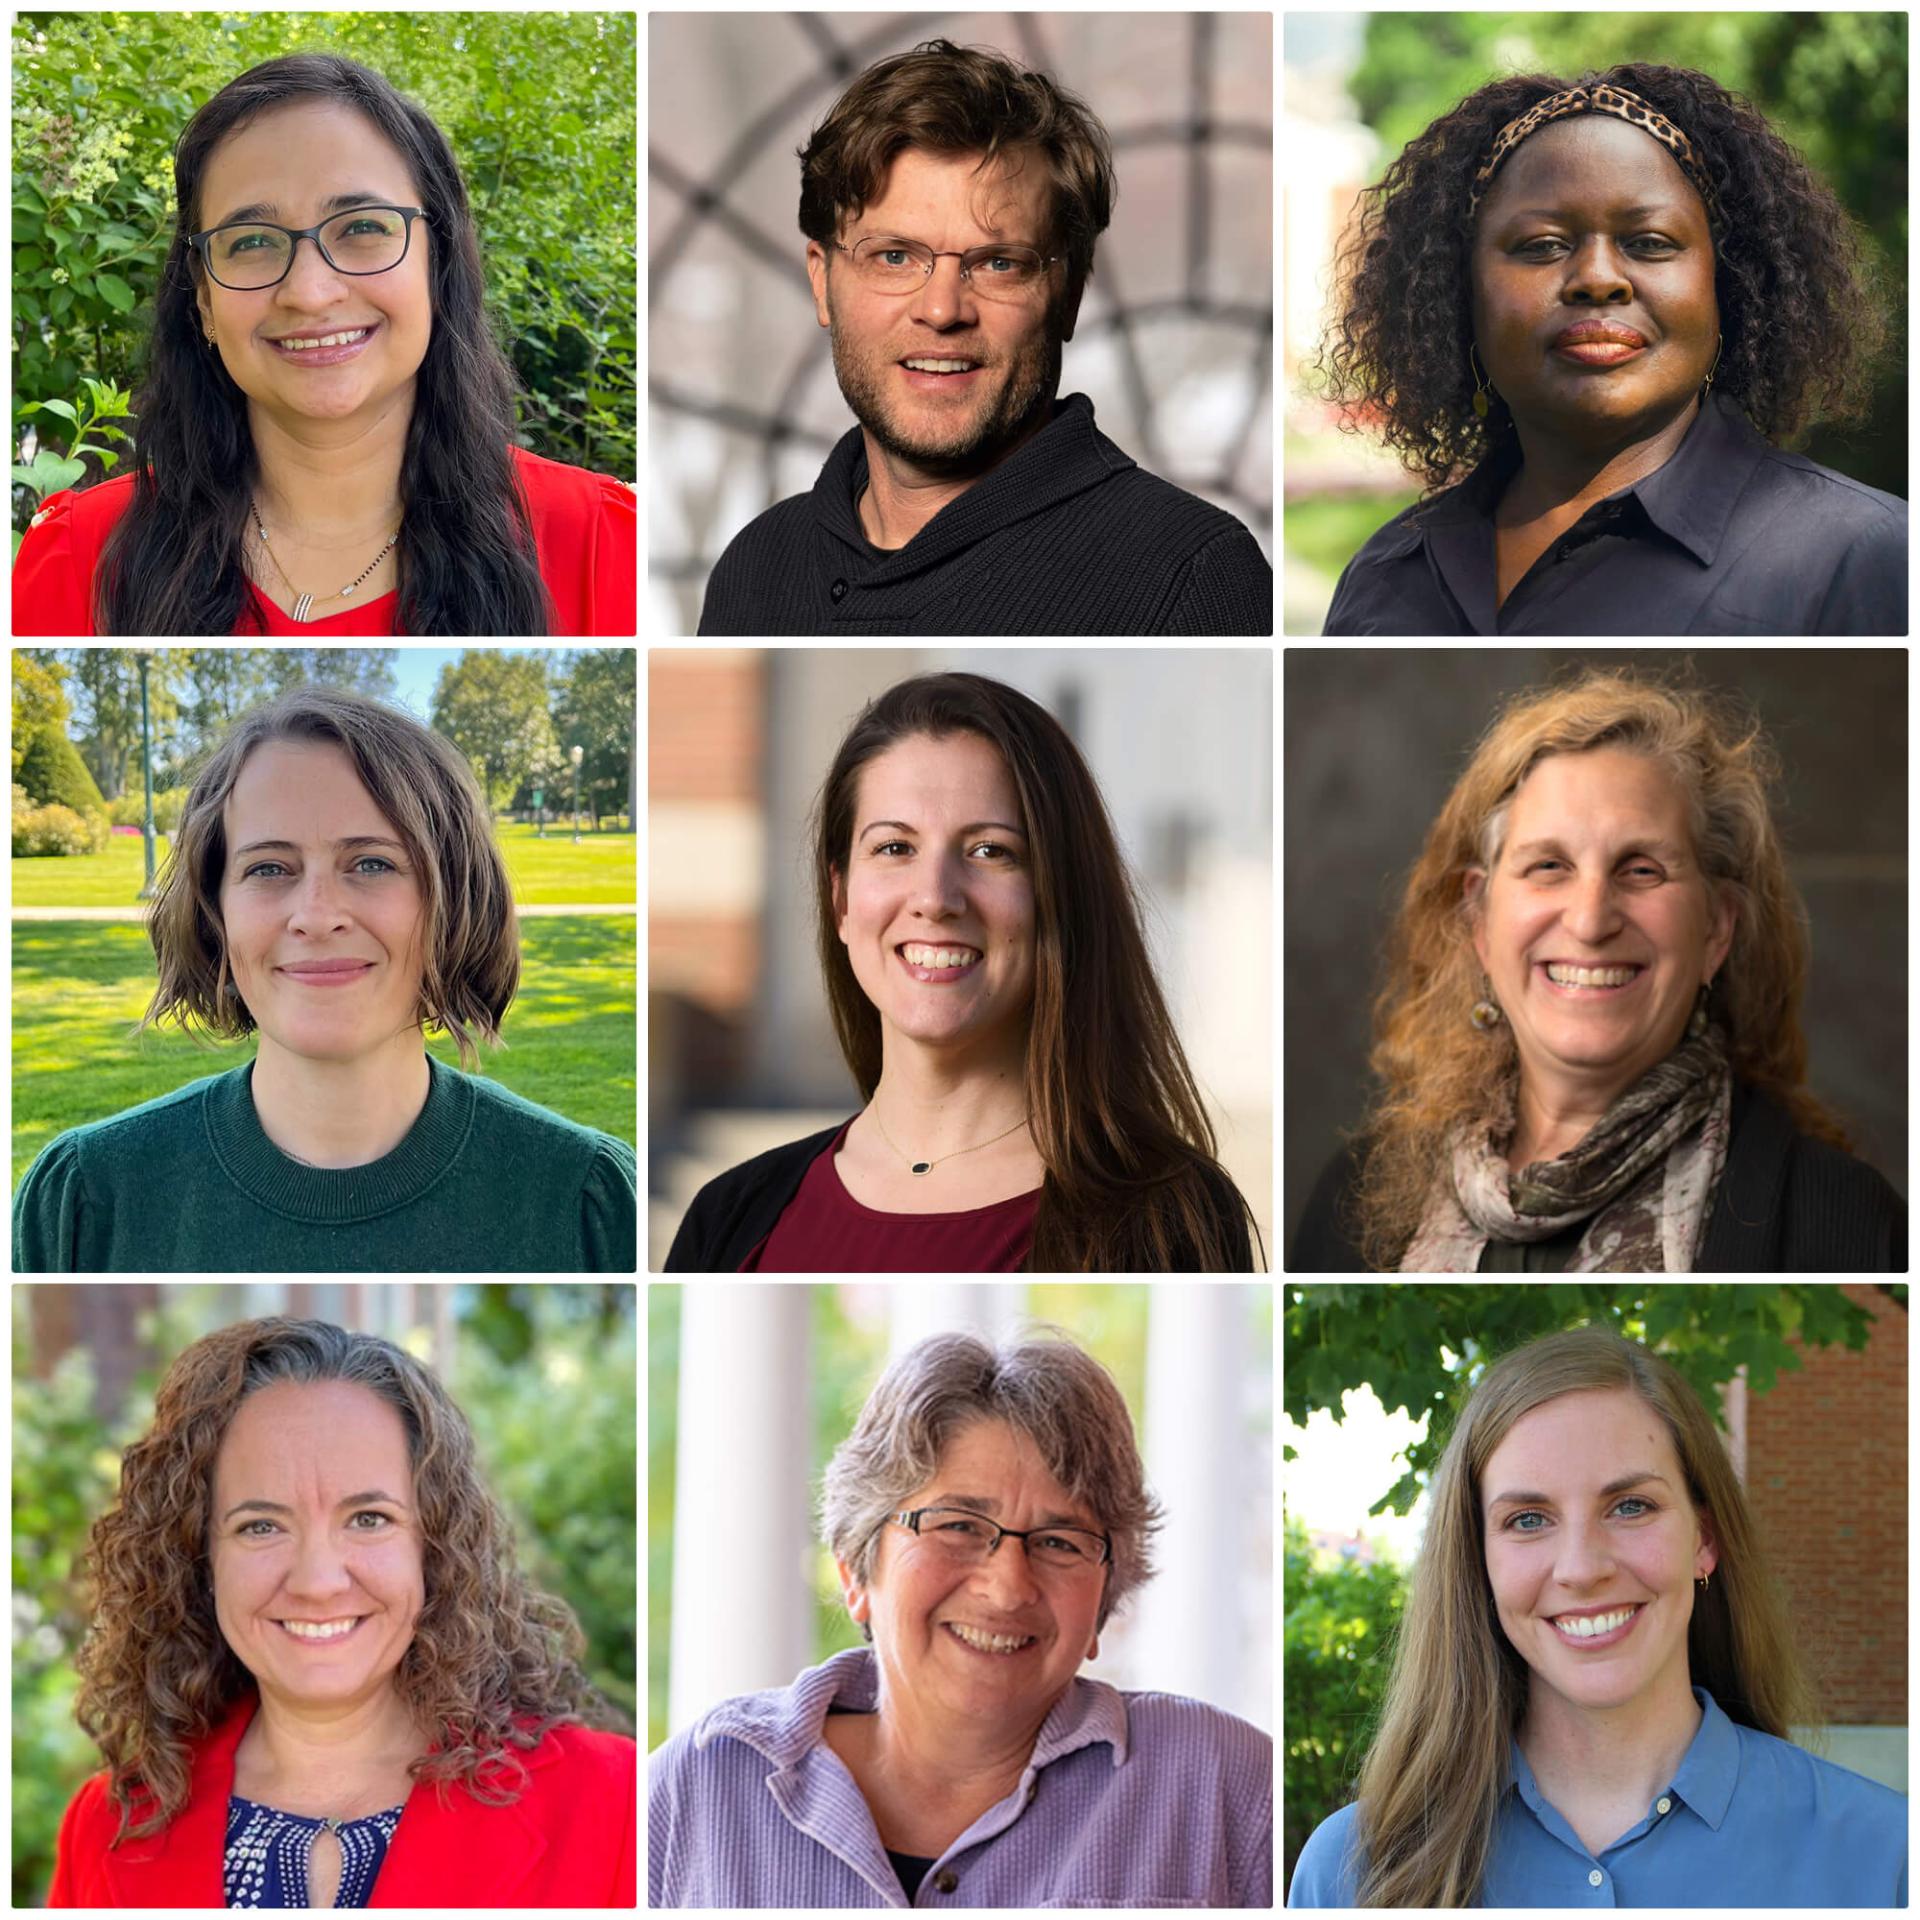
(325, 430)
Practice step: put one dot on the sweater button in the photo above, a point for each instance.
(838, 591)
(945, 1881)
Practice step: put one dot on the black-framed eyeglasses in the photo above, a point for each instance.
(888, 265)
(966, 1537)
(248, 256)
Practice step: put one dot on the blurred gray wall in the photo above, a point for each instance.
(1174, 344)
(1374, 740)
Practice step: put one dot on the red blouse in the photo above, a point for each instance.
(586, 536)
(824, 1229)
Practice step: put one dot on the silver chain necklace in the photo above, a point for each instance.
(303, 605)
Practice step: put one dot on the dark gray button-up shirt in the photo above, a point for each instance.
(1731, 536)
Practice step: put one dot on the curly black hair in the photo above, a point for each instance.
(1802, 291)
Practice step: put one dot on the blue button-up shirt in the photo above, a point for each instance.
(1129, 1800)
(1749, 1821)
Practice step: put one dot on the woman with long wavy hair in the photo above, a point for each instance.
(1595, 1677)
(326, 431)
(1588, 1042)
(313, 1666)
(1028, 1105)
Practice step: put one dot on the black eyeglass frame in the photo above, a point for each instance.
(966, 272)
(911, 1521)
(202, 243)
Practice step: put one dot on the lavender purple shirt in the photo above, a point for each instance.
(1129, 1800)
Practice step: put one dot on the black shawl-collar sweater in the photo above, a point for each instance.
(1068, 536)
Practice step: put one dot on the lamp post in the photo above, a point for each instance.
(576, 755)
(145, 655)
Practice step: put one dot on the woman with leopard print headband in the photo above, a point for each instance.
(1609, 300)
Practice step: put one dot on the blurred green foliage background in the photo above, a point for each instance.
(545, 1376)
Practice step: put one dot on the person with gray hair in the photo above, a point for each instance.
(988, 1515)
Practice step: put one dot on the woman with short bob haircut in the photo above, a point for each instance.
(1589, 1043)
(333, 887)
(1028, 1105)
(1593, 319)
(458, 1674)
(246, 509)
(988, 1515)
(1471, 1793)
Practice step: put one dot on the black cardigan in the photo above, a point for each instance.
(737, 1209)
(1786, 1204)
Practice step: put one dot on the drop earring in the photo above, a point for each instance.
(1482, 386)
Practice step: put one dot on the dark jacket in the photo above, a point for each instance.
(1731, 536)
(1786, 1203)
(1068, 536)
(737, 1209)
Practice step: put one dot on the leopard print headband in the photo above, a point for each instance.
(1595, 99)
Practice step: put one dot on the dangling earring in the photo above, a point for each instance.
(1712, 370)
(1697, 1021)
(1482, 387)
(1485, 1015)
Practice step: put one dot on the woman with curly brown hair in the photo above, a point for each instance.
(334, 887)
(304, 1605)
(1589, 1040)
(1615, 297)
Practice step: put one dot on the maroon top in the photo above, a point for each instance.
(824, 1229)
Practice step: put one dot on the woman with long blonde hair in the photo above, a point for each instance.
(1588, 1042)
(1595, 1676)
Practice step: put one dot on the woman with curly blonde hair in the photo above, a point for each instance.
(304, 1606)
(1589, 1040)
(1596, 1677)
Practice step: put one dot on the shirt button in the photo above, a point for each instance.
(838, 591)
(1596, 1878)
(945, 1881)
(1662, 1805)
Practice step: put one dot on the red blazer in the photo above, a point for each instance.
(568, 1841)
(586, 537)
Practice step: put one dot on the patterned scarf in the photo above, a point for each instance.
(1643, 1179)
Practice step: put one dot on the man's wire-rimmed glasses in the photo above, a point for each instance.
(248, 256)
(968, 1538)
(887, 265)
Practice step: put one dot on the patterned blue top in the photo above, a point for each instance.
(267, 1852)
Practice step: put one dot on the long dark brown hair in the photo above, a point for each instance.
(1132, 1183)
(466, 557)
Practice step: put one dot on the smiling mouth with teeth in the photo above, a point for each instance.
(1564, 974)
(988, 1642)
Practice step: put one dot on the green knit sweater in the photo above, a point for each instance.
(189, 1183)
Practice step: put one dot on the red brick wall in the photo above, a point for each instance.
(704, 725)
(1827, 1476)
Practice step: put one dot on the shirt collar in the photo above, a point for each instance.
(1691, 498)
(1704, 1779)
(788, 1723)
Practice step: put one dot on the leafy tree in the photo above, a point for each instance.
(1422, 1348)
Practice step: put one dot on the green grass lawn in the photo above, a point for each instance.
(546, 873)
(80, 985)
